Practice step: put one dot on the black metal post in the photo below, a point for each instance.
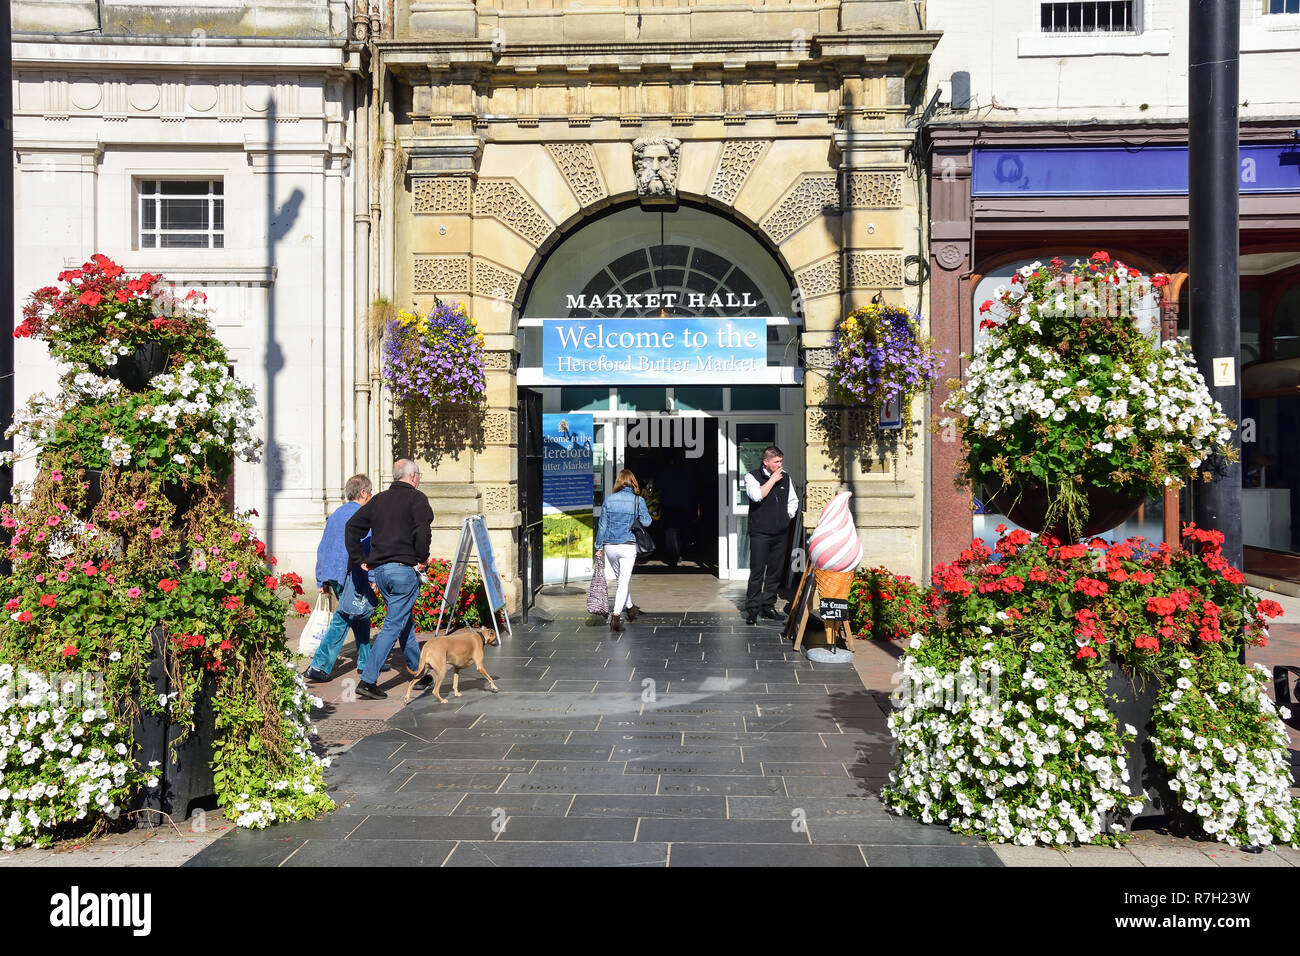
(1213, 173)
(6, 248)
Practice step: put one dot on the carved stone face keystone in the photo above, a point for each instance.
(655, 161)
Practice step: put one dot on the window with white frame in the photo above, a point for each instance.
(1090, 16)
(1282, 6)
(181, 214)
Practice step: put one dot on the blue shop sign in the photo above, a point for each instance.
(679, 351)
(1121, 171)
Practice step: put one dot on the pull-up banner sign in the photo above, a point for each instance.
(680, 351)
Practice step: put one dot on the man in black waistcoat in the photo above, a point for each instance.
(772, 503)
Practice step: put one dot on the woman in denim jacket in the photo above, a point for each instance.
(616, 543)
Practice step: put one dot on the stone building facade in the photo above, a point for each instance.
(256, 111)
(511, 132)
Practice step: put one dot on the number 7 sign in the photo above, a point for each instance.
(1225, 371)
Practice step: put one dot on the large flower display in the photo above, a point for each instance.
(136, 618)
(1067, 390)
(1004, 722)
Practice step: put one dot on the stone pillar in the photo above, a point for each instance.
(879, 222)
(951, 258)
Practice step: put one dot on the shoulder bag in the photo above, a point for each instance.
(645, 545)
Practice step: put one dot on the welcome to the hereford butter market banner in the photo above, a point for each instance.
(686, 351)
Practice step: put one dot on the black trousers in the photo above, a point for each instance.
(766, 558)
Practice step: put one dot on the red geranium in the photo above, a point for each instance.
(168, 585)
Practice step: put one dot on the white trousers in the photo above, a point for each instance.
(619, 561)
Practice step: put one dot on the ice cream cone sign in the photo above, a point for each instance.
(834, 550)
(834, 545)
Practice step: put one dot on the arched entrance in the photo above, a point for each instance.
(690, 435)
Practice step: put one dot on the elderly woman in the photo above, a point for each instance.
(332, 571)
(616, 544)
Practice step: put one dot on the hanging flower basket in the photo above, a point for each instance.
(1069, 397)
(881, 356)
(1029, 504)
(136, 369)
(434, 361)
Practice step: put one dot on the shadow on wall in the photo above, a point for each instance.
(279, 224)
(436, 433)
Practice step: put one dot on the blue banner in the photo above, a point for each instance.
(1121, 171)
(566, 461)
(680, 351)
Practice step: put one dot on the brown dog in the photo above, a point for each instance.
(459, 649)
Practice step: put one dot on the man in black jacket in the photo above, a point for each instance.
(772, 503)
(398, 521)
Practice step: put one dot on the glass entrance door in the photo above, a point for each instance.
(743, 451)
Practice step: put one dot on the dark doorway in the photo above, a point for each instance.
(686, 529)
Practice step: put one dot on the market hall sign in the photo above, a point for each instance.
(659, 300)
(681, 351)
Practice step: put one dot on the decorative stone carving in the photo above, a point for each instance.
(824, 426)
(818, 358)
(656, 161)
(202, 95)
(494, 282)
(821, 278)
(949, 255)
(505, 201)
(874, 270)
(440, 194)
(810, 198)
(500, 499)
(875, 190)
(499, 428)
(735, 162)
(85, 93)
(577, 162)
(819, 495)
(439, 274)
(499, 361)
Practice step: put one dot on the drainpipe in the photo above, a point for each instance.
(387, 266)
(361, 277)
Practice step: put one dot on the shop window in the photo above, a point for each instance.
(751, 398)
(701, 399)
(1286, 325)
(577, 398)
(181, 214)
(1091, 16)
(643, 399)
(1250, 347)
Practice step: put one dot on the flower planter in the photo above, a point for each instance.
(181, 494)
(1133, 702)
(135, 370)
(186, 781)
(1027, 506)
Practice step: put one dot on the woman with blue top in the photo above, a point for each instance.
(616, 544)
(332, 572)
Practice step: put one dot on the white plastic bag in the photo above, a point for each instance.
(317, 625)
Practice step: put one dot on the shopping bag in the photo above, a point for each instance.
(358, 600)
(317, 625)
(598, 591)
